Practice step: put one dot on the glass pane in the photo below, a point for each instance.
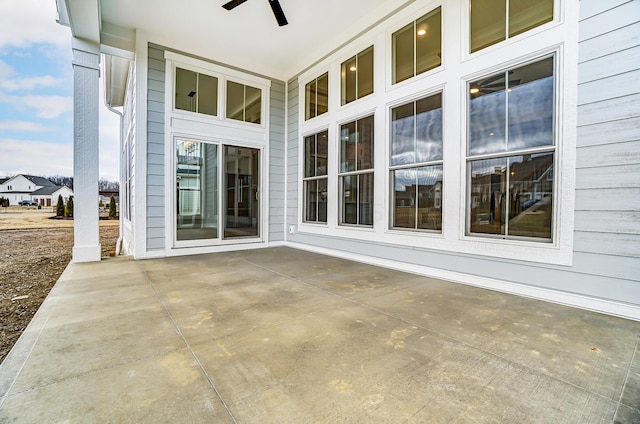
(404, 198)
(403, 53)
(241, 198)
(531, 99)
(208, 95)
(349, 186)
(322, 101)
(365, 188)
(310, 100)
(322, 153)
(316, 200)
(348, 77)
(311, 200)
(253, 104)
(348, 145)
(428, 42)
(235, 101)
(186, 88)
(429, 128)
(526, 14)
(488, 22)
(365, 143)
(310, 156)
(531, 195)
(429, 198)
(365, 72)
(197, 190)
(402, 135)
(487, 115)
(487, 204)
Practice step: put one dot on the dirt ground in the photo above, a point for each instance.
(34, 250)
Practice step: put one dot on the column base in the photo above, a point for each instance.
(86, 254)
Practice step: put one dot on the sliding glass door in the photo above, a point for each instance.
(217, 193)
(241, 198)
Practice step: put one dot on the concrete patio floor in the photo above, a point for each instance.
(285, 336)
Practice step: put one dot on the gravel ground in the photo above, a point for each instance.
(31, 261)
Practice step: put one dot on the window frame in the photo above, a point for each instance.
(370, 46)
(416, 165)
(558, 19)
(315, 177)
(507, 154)
(316, 114)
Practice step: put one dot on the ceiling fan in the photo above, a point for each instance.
(275, 6)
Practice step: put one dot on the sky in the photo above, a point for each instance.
(36, 95)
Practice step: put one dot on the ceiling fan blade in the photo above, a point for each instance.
(278, 13)
(232, 4)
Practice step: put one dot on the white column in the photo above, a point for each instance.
(86, 73)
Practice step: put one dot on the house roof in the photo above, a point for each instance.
(41, 181)
(3, 180)
(46, 190)
(247, 37)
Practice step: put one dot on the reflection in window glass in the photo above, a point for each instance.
(417, 47)
(315, 177)
(357, 76)
(513, 111)
(403, 53)
(491, 23)
(244, 103)
(186, 89)
(356, 172)
(416, 164)
(195, 92)
(197, 190)
(526, 14)
(525, 209)
(235, 101)
(317, 97)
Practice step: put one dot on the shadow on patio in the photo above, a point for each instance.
(281, 335)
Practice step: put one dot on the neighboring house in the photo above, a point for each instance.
(491, 143)
(29, 187)
(48, 196)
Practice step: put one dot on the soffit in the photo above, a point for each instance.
(248, 37)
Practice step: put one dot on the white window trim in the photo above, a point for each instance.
(458, 67)
(199, 127)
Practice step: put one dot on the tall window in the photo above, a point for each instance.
(417, 47)
(315, 177)
(357, 76)
(356, 172)
(416, 164)
(196, 92)
(493, 21)
(511, 151)
(316, 97)
(244, 103)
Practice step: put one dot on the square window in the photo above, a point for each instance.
(244, 103)
(493, 21)
(196, 92)
(357, 76)
(417, 47)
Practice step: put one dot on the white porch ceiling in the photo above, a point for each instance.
(247, 37)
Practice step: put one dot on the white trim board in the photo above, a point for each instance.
(608, 307)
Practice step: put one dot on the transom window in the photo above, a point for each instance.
(493, 21)
(315, 177)
(511, 152)
(357, 76)
(316, 96)
(417, 47)
(196, 92)
(244, 103)
(416, 164)
(356, 172)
